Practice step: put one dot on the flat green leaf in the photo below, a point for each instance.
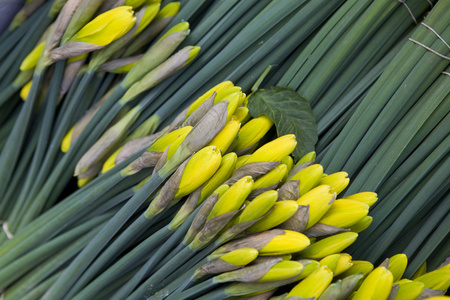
(290, 113)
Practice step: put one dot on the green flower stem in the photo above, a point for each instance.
(44, 137)
(47, 268)
(134, 257)
(33, 258)
(7, 93)
(10, 154)
(68, 96)
(39, 291)
(219, 293)
(196, 290)
(177, 236)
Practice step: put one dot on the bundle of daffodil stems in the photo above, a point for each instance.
(118, 181)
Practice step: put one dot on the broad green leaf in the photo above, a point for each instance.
(290, 113)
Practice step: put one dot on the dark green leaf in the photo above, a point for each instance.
(291, 114)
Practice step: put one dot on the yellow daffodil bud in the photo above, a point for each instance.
(110, 162)
(368, 198)
(25, 90)
(409, 290)
(83, 181)
(226, 136)
(241, 113)
(199, 169)
(216, 89)
(436, 280)
(252, 132)
(337, 181)
(106, 27)
(233, 103)
(258, 207)
(166, 140)
(65, 144)
(319, 200)
(272, 177)
(397, 265)
(224, 95)
(313, 285)
(363, 224)
(281, 211)
(174, 146)
(359, 266)
(240, 257)
(311, 156)
(289, 162)
(31, 60)
(233, 198)
(241, 160)
(283, 270)
(337, 263)
(178, 27)
(275, 150)
(330, 245)
(309, 178)
(149, 15)
(376, 286)
(310, 267)
(289, 242)
(134, 3)
(345, 213)
(223, 173)
(170, 10)
(439, 298)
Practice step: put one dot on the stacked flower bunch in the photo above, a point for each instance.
(91, 63)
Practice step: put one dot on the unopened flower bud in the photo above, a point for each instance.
(252, 132)
(25, 90)
(216, 89)
(31, 59)
(223, 173)
(368, 198)
(281, 211)
(363, 224)
(225, 138)
(376, 286)
(283, 270)
(345, 213)
(258, 207)
(358, 266)
(313, 285)
(409, 290)
(337, 181)
(436, 280)
(309, 178)
(319, 201)
(329, 245)
(289, 162)
(397, 265)
(289, 242)
(308, 157)
(241, 113)
(275, 150)
(274, 176)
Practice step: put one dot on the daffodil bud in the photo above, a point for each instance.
(289, 162)
(258, 207)
(104, 145)
(310, 266)
(313, 285)
(275, 150)
(158, 53)
(166, 140)
(273, 177)
(228, 262)
(223, 173)
(309, 178)
(241, 113)
(271, 242)
(358, 266)
(397, 265)
(134, 3)
(103, 30)
(331, 261)
(408, 289)
(281, 211)
(216, 89)
(234, 101)
(337, 181)
(289, 242)
(225, 138)
(121, 65)
(31, 59)
(341, 289)
(172, 65)
(233, 198)
(376, 286)
(308, 157)
(329, 245)
(226, 93)
(345, 213)
(25, 90)
(436, 280)
(338, 263)
(319, 201)
(283, 270)
(363, 224)
(368, 198)
(252, 132)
